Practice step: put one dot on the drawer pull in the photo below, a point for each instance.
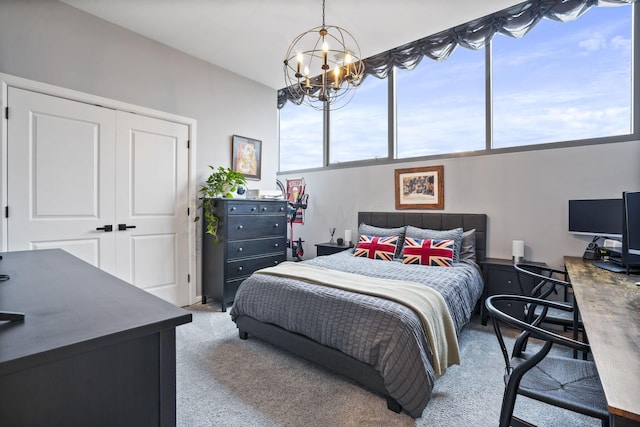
(509, 281)
(253, 208)
(264, 208)
(233, 208)
(240, 268)
(240, 227)
(277, 225)
(281, 209)
(275, 245)
(239, 249)
(275, 262)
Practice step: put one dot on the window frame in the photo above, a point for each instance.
(488, 150)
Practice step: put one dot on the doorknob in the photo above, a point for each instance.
(107, 228)
(122, 227)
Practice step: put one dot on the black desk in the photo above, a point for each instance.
(92, 350)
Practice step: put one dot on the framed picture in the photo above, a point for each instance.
(246, 156)
(420, 188)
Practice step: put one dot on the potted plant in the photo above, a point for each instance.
(223, 182)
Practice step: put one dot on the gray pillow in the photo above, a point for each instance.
(370, 230)
(426, 233)
(468, 246)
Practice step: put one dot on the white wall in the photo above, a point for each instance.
(525, 195)
(51, 42)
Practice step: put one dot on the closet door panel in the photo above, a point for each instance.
(152, 200)
(61, 182)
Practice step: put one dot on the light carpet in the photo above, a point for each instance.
(224, 381)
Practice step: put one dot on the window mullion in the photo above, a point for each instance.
(488, 96)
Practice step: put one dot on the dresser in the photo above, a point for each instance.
(252, 235)
(92, 350)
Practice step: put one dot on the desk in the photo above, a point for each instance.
(609, 304)
(92, 349)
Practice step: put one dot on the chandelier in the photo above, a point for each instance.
(322, 67)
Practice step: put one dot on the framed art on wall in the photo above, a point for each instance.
(246, 156)
(420, 188)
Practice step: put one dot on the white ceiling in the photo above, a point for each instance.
(251, 37)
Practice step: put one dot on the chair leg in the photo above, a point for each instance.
(508, 404)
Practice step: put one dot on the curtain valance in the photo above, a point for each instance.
(515, 21)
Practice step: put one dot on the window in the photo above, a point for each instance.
(441, 105)
(300, 137)
(561, 82)
(359, 129)
(564, 81)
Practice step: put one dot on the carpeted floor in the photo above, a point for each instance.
(224, 381)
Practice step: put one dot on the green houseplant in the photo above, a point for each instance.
(223, 182)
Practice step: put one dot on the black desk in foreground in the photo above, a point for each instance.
(92, 349)
(609, 304)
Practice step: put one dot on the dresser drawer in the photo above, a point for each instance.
(245, 266)
(243, 227)
(503, 282)
(249, 248)
(257, 207)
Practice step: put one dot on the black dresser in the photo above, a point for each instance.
(252, 235)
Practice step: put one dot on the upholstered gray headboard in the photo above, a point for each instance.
(434, 221)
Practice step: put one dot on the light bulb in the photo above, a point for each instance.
(299, 58)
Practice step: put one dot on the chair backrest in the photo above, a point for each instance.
(531, 326)
(545, 278)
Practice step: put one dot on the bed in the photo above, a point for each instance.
(375, 340)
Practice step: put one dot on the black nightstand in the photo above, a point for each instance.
(330, 248)
(501, 278)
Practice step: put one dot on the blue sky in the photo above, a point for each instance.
(561, 81)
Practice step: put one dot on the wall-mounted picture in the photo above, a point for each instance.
(420, 188)
(246, 156)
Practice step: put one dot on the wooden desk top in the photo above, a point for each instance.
(610, 307)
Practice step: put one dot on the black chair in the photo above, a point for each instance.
(564, 382)
(549, 281)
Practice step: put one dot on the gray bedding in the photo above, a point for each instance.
(384, 334)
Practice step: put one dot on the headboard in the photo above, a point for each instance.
(434, 221)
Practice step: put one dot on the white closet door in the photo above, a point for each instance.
(152, 202)
(77, 169)
(61, 182)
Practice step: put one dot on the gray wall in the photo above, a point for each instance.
(524, 194)
(51, 42)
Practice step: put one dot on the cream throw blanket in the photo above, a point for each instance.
(427, 303)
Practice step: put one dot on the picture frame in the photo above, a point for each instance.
(420, 188)
(246, 156)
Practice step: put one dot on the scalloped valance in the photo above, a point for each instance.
(515, 21)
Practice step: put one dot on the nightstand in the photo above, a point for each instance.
(501, 278)
(330, 248)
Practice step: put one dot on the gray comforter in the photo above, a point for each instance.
(384, 334)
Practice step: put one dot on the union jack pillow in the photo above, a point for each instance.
(375, 247)
(433, 252)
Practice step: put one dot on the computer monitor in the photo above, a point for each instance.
(596, 217)
(631, 228)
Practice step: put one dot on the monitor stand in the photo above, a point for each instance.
(9, 316)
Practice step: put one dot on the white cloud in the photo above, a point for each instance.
(593, 44)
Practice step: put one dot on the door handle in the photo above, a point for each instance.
(107, 228)
(123, 227)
